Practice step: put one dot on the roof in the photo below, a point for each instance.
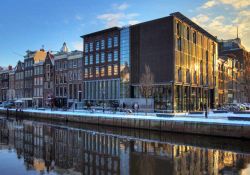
(192, 24)
(40, 56)
(101, 32)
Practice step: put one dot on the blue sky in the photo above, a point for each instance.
(29, 24)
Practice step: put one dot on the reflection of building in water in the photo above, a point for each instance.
(70, 151)
(181, 159)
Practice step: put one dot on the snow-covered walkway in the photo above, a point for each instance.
(219, 118)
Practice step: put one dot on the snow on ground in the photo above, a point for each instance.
(219, 118)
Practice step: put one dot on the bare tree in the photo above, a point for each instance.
(146, 84)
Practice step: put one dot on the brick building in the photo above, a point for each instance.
(181, 55)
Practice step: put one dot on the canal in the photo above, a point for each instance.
(42, 147)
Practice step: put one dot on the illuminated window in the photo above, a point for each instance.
(97, 72)
(90, 72)
(86, 73)
(115, 69)
(109, 70)
(102, 72)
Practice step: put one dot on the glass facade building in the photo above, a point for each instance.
(125, 62)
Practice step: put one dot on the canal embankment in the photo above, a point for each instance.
(201, 126)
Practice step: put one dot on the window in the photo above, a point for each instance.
(115, 41)
(110, 57)
(103, 44)
(65, 92)
(86, 48)
(90, 72)
(74, 62)
(97, 58)
(195, 77)
(179, 43)
(116, 55)
(102, 57)
(178, 29)
(90, 59)
(109, 42)
(97, 45)
(91, 47)
(86, 74)
(86, 60)
(188, 33)
(97, 73)
(188, 76)
(102, 71)
(194, 37)
(115, 69)
(109, 70)
(179, 75)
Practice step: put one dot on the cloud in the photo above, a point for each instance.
(237, 4)
(77, 45)
(201, 18)
(119, 17)
(122, 6)
(209, 4)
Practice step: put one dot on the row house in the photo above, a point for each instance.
(11, 91)
(230, 81)
(48, 88)
(234, 47)
(68, 78)
(19, 81)
(75, 78)
(28, 78)
(61, 77)
(4, 79)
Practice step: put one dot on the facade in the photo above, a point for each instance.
(38, 84)
(181, 56)
(19, 81)
(28, 78)
(75, 77)
(101, 66)
(61, 77)
(230, 81)
(4, 78)
(11, 89)
(48, 85)
(233, 47)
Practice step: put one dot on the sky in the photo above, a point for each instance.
(32, 24)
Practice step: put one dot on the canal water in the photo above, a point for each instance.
(40, 147)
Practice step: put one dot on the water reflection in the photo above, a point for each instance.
(41, 148)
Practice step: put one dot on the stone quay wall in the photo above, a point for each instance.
(188, 127)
